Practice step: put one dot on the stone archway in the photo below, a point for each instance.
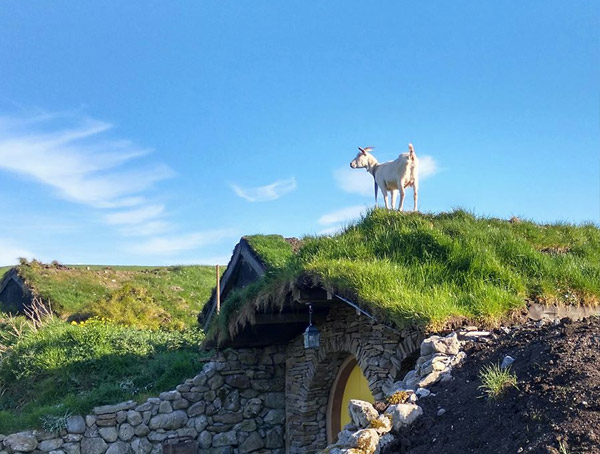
(310, 374)
(349, 383)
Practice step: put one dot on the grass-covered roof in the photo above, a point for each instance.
(427, 270)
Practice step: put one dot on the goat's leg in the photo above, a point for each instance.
(385, 199)
(394, 193)
(416, 195)
(402, 193)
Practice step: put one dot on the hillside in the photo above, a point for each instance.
(553, 409)
(150, 297)
(117, 333)
(434, 270)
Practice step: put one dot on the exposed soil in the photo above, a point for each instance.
(555, 409)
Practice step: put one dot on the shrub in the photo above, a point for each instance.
(496, 380)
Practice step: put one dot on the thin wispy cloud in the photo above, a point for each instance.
(266, 193)
(168, 245)
(135, 216)
(359, 181)
(75, 156)
(71, 155)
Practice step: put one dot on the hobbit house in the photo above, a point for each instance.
(358, 357)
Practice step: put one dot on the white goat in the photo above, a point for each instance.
(389, 176)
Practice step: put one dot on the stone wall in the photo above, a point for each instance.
(379, 351)
(235, 405)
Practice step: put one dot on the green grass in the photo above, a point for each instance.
(139, 296)
(495, 380)
(4, 270)
(70, 368)
(422, 269)
(273, 250)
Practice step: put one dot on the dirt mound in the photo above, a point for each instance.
(554, 409)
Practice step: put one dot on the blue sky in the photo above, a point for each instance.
(161, 132)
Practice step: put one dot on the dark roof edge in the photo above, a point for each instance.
(241, 249)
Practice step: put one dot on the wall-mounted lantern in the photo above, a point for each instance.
(311, 335)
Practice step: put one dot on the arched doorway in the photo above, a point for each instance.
(349, 383)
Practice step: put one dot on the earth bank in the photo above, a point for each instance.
(555, 407)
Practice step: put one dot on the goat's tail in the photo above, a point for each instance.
(376, 189)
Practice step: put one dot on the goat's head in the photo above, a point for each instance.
(362, 158)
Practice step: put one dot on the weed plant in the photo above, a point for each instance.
(496, 380)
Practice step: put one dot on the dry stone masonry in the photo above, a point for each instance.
(370, 429)
(379, 351)
(235, 405)
(271, 400)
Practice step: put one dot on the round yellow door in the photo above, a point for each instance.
(350, 383)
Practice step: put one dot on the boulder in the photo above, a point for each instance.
(383, 424)
(361, 413)
(365, 440)
(403, 414)
(448, 345)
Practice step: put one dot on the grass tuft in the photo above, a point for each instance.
(496, 380)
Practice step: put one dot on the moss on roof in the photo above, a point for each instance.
(423, 269)
(273, 250)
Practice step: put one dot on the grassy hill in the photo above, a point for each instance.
(428, 270)
(118, 333)
(169, 297)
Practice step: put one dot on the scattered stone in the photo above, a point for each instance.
(441, 411)
(423, 392)
(361, 413)
(507, 361)
(403, 414)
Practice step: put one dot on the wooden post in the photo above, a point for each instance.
(218, 290)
